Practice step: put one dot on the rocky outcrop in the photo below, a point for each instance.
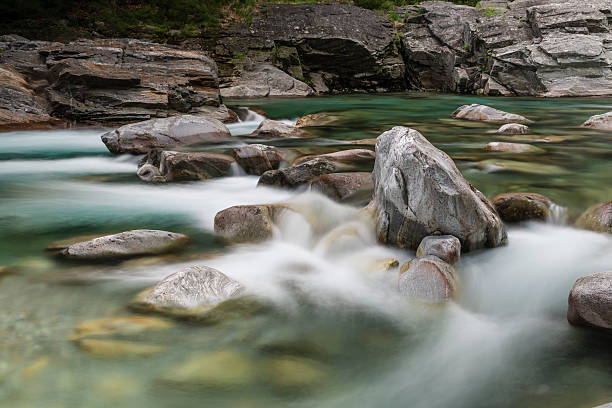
(332, 47)
(516, 207)
(599, 122)
(445, 247)
(513, 129)
(274, 129)
(295, 176)
(597, 218)
(418, 191)
(126, 244)
(265, 80)
(485, 113)
(356, 187)
(248, 223)
(183, 130)
(505, 147)
(590, 301)
(427, 279)
(257, 158)
(168, 166)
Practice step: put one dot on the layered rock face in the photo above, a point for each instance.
(115, 81)
(333, 47)
(532, 47)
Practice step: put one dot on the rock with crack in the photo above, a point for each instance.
(418, 191)
(169, 166)
(487, 114)
(257, 158)
(265, 80)
(427, 279)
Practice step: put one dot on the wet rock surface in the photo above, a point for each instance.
(296, 176)
(256, 159)
(169, 166)
(487, 114)
(427, 279)
(356, 187)
(516, 207)
(445, 247)
(599, 122)
(418, 191)
(248, 223)
(597, 218)
(590, 301)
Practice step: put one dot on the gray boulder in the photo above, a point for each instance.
(184, 130)
(169, 166)
(590, 301)
(265, 80)
(126, 244)
(247, 223)
(445, 247)
(513, 129)
(427, 279)
(295, 176)
(354, 187)
(273, 129)
(257, 158)
(487, 114)
(600, 122)
(516, 207)
(418, 191)
(597, 218)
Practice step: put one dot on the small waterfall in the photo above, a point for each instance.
(246, 126)
(236, 170)
(557, 215)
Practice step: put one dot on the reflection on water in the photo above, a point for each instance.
(338, 335)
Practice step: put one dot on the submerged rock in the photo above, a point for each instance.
(184, 130)
(296, 373)
(295, 176)
(315, 119)
(257, 158)
(445, 247)
(600, 122)
(118, 348)
(345, 187)
(512, 148)
(353, 157)
(247, 223)
(418, 191)
(223, 369)
(590, 301)
(427, 279)
(513, 129)
(516, 207)
(597, 218)
(274, 129)
(126, 244)
(123, 325)
(162, 166)
(487, 114)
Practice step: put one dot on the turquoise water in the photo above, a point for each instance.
(504, 343)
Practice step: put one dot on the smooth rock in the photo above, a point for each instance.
(247, 223)
(171, 166)
(600, 122)
(517, 207)
(487, 114)
(513, 129)
(597, 218)
(184, 130)
(355, 157)
(315, 120)
(265, 80)
(223, 369)
(445, 247)
(257, 158)
(126, 244)
(273, 129)
(296, 373)
(418, 191)
(590, 301)
(427, 279)
(118, 348)
(295, 176)
(512, 148)
(354, 187)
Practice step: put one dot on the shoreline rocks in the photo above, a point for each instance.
(265, 80)
(590, 301)
(517, 207)
(485, 113)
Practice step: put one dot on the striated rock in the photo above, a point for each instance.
(345, 187)
(162, 166)
(296, 373)
(273, 129)
(427, 279)
(126, 244)
(265, 80)
(257, 158)
(516, 207)
(247, 223)
(418, 191)
(352, 156)
(184, 130)
(597, 218)
(512, 148)
(599, 122)
(513, 129)
(445, 247)
(295, 176)
(590, 301)
(487, 114)
(223, 369)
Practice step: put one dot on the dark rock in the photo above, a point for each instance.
(513, 129)
(273, 129)
(590, 301)
(296, 176)
(445, 247)
(184, 130)
(516, 207)
(427, 279)
(600, 122)
(597, 218)
(487, 114)
(355, 157)
(346, 187)
(257, 158)
(184, 166)
(126, 244)
(418, 191)
(265, 80)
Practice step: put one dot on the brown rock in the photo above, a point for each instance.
(247, 223)
(516, 207)
(427, 279)
(445, 247)
(345, 187)
(257, 158)
(590, 301)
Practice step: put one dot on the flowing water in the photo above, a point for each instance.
(505, 342)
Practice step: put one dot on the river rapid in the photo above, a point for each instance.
(505, 342)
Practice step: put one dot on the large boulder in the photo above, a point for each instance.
(599, 122)
(445, 247)
(427, 279)
(487, 114)
(257, 158)
(168, 166)
(356, 187)
(597, 218)
(418, 191)
(590, 301)
(248, 223)
(274, 129)
(184, 130)
(296, 176)
(265, 80)
(126, 244)
(516, 207)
